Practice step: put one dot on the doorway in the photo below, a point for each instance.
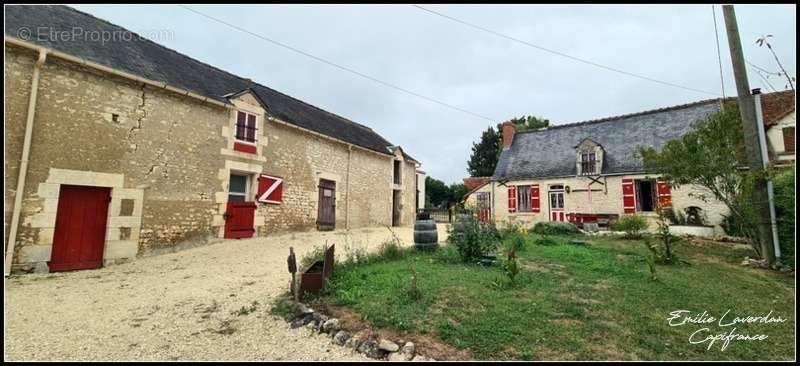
(80, 232)
(240, 213)
(556, 205)
(326, 214)
(396, 199)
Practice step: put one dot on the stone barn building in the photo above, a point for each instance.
(590, 172)
(117, 148)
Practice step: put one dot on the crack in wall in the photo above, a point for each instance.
(141, 114)
(161, 159)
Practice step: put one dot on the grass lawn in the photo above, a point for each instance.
(576, 302)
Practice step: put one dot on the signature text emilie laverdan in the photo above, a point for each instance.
(727, 320)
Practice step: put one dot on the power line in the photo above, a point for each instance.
(345, 68)
(609, 68)
(719, 54)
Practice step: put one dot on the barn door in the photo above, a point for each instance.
(79, 236)
(326, 215)
(240, 213)
(239, 218)
(396, 208)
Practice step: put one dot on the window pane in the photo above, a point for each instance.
(251, 127)
(240, 123)
(235, 198)
(238, 184)
(523, 198)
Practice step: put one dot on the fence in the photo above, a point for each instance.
(442, 214)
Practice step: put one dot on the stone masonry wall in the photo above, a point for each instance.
(161, 153)
(608, 200)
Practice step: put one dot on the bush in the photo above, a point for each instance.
(783, 189)
(555, 228)
(391, 249)
(318, 254)
(632, 225)
(783, 186)
(472, 238)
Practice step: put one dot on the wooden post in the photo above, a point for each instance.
(292, 263)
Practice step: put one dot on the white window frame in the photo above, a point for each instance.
(247, 183)
(246, 119)
(524, 205)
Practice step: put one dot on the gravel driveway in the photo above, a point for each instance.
(178, 306)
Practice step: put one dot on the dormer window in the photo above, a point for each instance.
(589, 158)
(246, 127)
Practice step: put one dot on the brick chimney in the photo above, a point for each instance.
(508, 133)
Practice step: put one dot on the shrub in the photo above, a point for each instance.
(783, 186)
(311, 257)
(632, 225)
(516, 242)
(391, 249)
(511, 266)
(472, 238)
(667, 240)
(555, 228)
(413, 292)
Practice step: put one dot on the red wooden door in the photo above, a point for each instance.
(239, 220)
(326, 214)
(80, 233)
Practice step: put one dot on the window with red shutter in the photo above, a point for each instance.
(512, 199)
(628, 196)
(270, 189)
(245, 132)
(535, 198)
(664, 194)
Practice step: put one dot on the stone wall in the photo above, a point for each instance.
(607, 200)
(167, 159)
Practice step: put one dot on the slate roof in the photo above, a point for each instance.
(152, 61)
(550, 152)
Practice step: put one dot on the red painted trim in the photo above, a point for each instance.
(246, 148)
(628, 196)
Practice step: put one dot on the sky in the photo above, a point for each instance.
(468, 68)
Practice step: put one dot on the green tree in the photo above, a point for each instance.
(525, 123)
(485, 153)
(712, 156)
(436, 191)
(457, 191)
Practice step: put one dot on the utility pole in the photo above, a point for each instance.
(752, 144)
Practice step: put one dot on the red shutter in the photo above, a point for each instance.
(628, 196)
(512, 199)
(664, 194)
(270, 189)
(535, 198)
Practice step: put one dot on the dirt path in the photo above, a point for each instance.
(179, 306)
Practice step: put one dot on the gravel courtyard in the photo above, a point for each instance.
(178, 306)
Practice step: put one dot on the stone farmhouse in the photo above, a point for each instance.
(589, 172)
(123, 147)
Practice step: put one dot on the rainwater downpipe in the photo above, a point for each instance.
(765, 160)
(347, 189)
(23, 164)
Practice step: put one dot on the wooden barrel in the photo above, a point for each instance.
(426, 235)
